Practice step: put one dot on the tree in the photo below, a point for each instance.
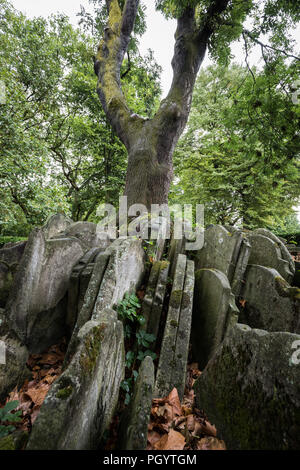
(239, 154)
(201, 24)
(58, 152)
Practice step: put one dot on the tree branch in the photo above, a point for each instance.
(108, 63)
(267, 46)
(190, 48)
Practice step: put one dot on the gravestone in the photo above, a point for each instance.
(134, 422)
(175, 345)
(81, 403)
(214, 313)
(226, 251)
(250, 390)
(270, 303)
(267, 252)
(36, 308)
(153, 301)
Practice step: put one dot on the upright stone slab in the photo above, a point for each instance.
(13, 372)
(174, 350)
(10, 257)
(214, 312)
(267, 252)
(177, 247)
(250, 390)
(36, 308)
(134, 423)
(240, 267)
(184, 330)
(285, 254)
(56, 225)
(154, 298)
(86, 310)
(76, 290)
(123, 274)
(270, 303)
(88, 235)
(225, 251)
(81, 403)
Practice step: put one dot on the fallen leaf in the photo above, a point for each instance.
(171, 441)
(173, 400)
(153, 437)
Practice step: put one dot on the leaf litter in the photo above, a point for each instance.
(176, 425)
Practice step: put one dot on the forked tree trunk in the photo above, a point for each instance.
(151, 142)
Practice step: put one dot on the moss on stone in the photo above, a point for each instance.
(64, 393)
(91, 348)
(175, 300)
(285, 290)
(7, 443)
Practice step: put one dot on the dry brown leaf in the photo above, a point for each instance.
(173, 400)
(190, 422)
(171, 441)
(38, 395)
(211, 443)
(153, 437)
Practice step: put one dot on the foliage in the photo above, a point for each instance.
(6, 415)
(4, 240)
(239, 155)
(58, 152)
(137, 338)
(127, 309)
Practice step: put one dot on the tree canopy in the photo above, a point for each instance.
(240, 153)
(60, 151)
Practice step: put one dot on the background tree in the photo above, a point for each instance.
(202, 25)
(240, 153)
(58, 152)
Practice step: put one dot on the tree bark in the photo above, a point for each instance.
(151, 142)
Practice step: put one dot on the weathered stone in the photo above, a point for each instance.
(14, 371)
(250, 390)
(267, 252)
(77, 288)
(81, 403)
(241, 266)
(10, 257)
(159, 248)
(135, 420)
(225, 251)
(56, 225)
(285, 254)
(174, 350)
(154, 298)
(214, 313)
(88, 235)
(177, 247)
(86, 310)
(123, 274)
(184, 330)
(36, 308)
(270, 302)
(164, 383)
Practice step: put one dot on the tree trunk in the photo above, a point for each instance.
(151, 142)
